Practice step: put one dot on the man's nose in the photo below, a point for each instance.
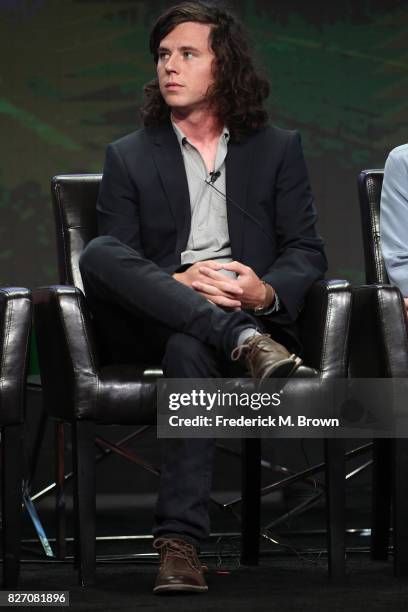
(172, 64)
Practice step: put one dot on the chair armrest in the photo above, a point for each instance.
(15, 327)
(324, 327)
(67, 351)
(379, 333)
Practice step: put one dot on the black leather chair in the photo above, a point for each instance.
(81, 390)
(15, 326)
(379, 349)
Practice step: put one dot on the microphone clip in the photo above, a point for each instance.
(214, 176)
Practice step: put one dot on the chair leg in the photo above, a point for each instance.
(400, 506)
(83, 439)
(251, 500)
(381, 498)
(335, 505)
(12, 453)
(60, 511)
(37, 446)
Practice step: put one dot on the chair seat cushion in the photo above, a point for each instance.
(127, 394)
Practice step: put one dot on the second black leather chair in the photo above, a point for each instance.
(379, 349)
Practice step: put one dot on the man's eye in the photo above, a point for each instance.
(188, 54)
(163, 55)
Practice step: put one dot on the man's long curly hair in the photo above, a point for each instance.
(238, 92)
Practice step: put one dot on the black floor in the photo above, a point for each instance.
(292, 574)
(279, 583)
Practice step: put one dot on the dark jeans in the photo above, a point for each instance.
(143, 314)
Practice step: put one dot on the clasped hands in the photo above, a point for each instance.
(205, 277)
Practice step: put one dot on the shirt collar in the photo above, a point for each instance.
(182, 138)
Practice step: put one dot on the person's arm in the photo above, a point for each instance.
(394, 219)
(118, 204)
(117, 207)
(301, 259)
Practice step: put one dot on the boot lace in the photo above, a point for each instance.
(169, 547)
(250, 348)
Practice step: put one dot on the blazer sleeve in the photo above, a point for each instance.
(118, 205)
(394, 218)
(301, 259)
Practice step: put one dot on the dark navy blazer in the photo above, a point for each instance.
(144, 202)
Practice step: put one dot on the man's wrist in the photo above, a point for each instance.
(270, 296)
(268, 299)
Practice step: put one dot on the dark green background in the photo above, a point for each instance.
(71, 74)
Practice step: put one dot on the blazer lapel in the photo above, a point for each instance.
(238, 169)
(170, 165)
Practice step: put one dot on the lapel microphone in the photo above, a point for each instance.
(214, 176)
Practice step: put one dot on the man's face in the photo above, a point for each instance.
(184, 67)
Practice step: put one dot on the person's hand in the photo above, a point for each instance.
(218, 289)
(254, 290)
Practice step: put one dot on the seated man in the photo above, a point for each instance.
(394, 219)
(207, 246)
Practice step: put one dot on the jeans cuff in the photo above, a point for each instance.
(179, 536)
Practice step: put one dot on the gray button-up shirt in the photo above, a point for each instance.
(209, 237)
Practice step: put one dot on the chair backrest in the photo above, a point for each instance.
(369, 190)
(74, 199)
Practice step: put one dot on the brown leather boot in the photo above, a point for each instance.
(180, 569)
(265, 358)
